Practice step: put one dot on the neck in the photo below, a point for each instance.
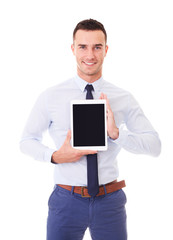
(90, 78)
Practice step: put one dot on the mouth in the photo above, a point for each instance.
(90, 64)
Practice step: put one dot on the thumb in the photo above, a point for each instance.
(68, 137)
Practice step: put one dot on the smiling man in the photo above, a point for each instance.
(87, 192)
(90, 49)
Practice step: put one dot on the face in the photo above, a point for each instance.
(90, 49)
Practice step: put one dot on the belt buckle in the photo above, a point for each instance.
(82, 192)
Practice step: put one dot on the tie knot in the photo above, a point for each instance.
(89, 88)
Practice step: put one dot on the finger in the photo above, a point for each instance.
(108, 104)
(87, 152)
(68, 137)
(101, 96)
(104, 96)
(91, 152)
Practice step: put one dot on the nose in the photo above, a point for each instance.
(90, 53)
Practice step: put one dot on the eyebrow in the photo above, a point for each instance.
(96, 45)
(99, 45)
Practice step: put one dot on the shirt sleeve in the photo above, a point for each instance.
(139, 136)
(37, 123)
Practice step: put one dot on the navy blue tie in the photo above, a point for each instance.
(92, 166)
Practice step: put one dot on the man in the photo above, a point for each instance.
(78, 201)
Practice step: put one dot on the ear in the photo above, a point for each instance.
(72, 48)
(106, 50)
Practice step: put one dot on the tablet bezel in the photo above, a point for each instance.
(89, 101)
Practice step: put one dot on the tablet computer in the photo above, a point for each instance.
(88, 124)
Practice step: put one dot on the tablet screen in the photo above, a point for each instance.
(89, 124)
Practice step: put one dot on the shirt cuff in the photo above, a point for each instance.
(123, 134)
(48, 154)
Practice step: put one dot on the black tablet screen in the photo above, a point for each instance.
(88, 125)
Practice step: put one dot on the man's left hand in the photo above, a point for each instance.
(113, 131)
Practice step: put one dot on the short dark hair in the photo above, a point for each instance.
(90, 25)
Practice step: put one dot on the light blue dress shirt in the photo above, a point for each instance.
(52, 111)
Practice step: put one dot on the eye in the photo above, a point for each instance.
(98, 47)
(82, 47)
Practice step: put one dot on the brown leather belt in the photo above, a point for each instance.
(110, 187)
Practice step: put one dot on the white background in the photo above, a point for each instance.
(35, 54)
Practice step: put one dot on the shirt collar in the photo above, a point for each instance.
(82, 83)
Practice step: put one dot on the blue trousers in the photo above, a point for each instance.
(70, 215)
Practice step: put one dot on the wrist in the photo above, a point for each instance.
(54, 157)
(58, 157)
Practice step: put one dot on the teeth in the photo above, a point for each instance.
(89, 63)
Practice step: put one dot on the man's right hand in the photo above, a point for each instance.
(67, 154)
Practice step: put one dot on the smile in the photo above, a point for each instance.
(89, 63)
